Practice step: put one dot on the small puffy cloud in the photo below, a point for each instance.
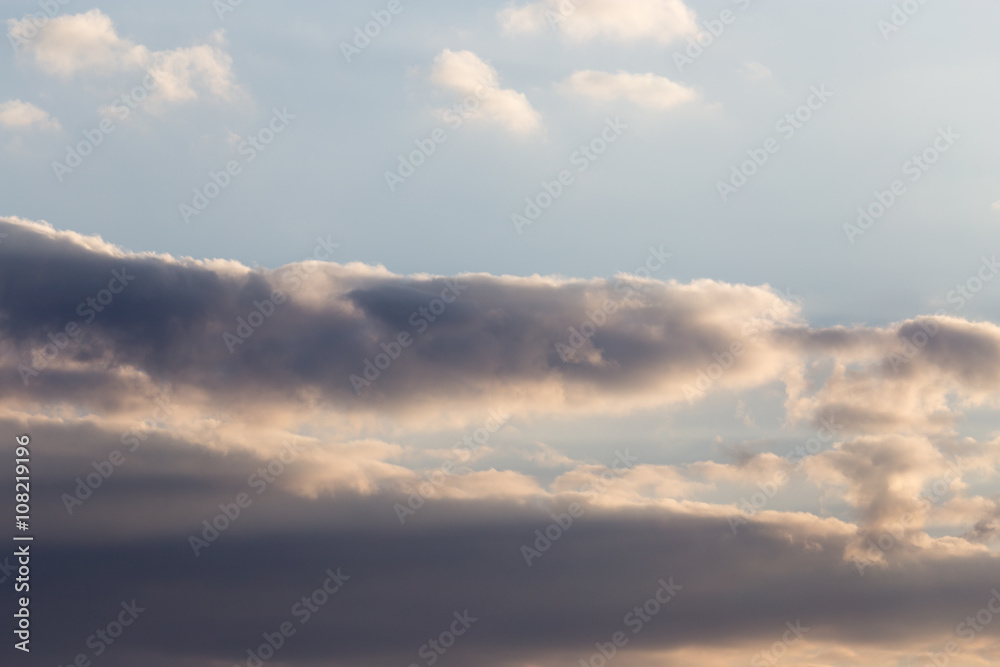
(468, 75)
(18, 115)
(756, 71)
(620, 20)
(646, 90)
(89, 44)
(76, 43)
(180, 73)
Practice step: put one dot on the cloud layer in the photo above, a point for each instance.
(388, 422)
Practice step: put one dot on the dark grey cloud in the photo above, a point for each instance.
(406, 581)
(170, 321)
(405, 584)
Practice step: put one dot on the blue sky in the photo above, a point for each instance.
(658, 185)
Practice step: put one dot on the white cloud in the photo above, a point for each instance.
(77, 43)
(756, 71)
(181, 71)
(996, 206)
(622, 20)
(465, 73)
(89, 44)
(16, 114)
(647, 90)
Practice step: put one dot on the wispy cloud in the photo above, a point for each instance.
(645, 90)
(755, 71)
(18, 115)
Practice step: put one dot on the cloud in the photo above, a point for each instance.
(756, 71)
(359, 457)
(619, 20)
(883, 477)
(456, 554)
(88, 43)
(466, 74)
(181, 73)
(502, 334)
(15, 114)
(549, 345)
(646, 90)
(913, 376)
(78, 43)
(996, 205)
(545, 345)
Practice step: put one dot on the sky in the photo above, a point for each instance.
(520, 334)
